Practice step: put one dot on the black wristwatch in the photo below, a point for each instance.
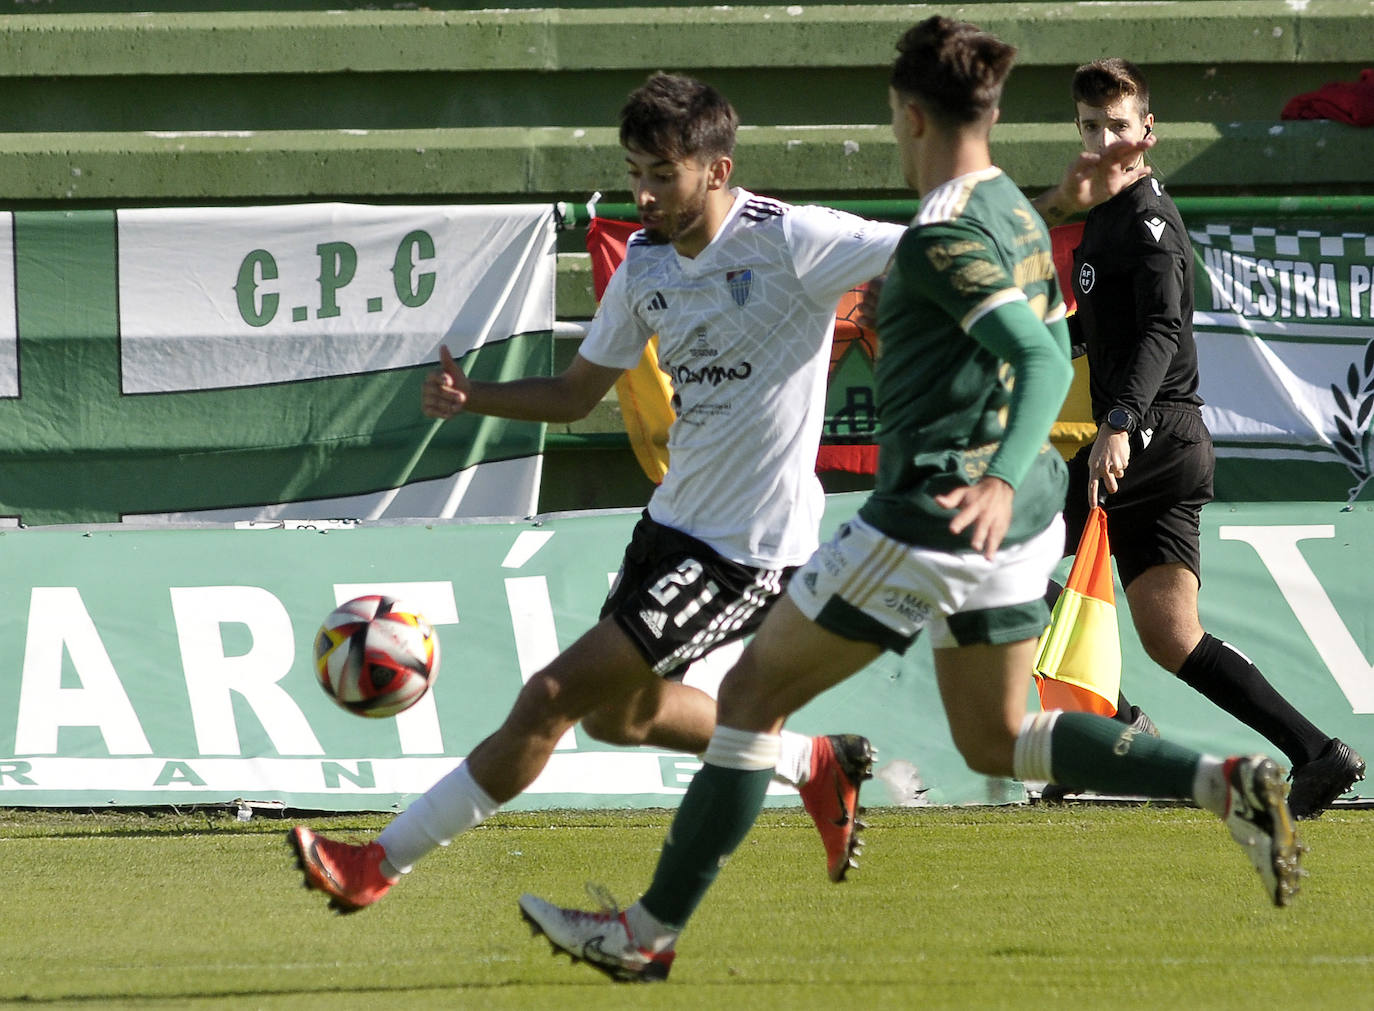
(1120, 419)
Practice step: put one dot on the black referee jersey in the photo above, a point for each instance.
(1133, 280)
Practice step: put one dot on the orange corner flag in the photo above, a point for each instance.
(1078, 666)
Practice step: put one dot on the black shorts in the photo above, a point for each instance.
(678, 599)
(1154, 517)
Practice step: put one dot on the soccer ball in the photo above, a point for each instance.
(375, 656)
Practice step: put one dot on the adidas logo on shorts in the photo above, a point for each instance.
(654, 622)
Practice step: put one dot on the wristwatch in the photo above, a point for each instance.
(1120, 419)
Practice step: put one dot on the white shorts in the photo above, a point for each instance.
(864, 585)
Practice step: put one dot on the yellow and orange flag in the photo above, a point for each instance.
(1078, 667)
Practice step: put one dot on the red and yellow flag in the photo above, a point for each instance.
(1078, 667)
(645, 392)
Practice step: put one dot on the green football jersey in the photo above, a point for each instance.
(945, 399)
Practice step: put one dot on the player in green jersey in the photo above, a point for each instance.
(958, 538)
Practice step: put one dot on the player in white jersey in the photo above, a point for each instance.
(744, 333)
(741, 291)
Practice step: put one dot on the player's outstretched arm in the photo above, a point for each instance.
(448, 391)
(1092, 179)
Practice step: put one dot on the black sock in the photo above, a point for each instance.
(1226, 677)
(1125, 712)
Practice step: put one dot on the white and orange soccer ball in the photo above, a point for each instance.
(375, 656)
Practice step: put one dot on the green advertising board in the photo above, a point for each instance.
(173, 666)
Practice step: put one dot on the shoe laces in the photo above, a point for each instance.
(602, 896)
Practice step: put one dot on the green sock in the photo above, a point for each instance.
(720, 807)
(1095, 753)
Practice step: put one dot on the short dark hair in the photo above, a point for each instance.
(676, 117)
(1103, 82)
(954, 69)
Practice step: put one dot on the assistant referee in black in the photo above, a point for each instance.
(1152, 461)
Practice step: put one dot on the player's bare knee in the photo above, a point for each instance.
(542, 701)
(614, 727)
(1166, 648)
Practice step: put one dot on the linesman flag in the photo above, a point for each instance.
(1078, 667)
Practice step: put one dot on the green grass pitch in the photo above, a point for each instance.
(1087, 906)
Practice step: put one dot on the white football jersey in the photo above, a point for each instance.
(744, 333)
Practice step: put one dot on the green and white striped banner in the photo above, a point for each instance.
(214, 364)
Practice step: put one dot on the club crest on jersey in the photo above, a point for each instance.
(740, 281)
(1086, 277)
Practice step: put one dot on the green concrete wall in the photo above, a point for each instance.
(263, 70)
(238, 105)
(503, 164)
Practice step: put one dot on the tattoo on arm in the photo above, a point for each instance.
(1049, 207)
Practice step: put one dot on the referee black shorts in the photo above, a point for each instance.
(678, 599)
(1154, 516)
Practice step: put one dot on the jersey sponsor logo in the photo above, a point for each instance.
(1029, 221)
(908, 606)
(740, 282)
(711, 375)
(657, 304)
(701, 348)
(1086, 277)
(1155, 226)
(1036, 266)
(974, 461)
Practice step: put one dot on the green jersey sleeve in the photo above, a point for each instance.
(1042, 370)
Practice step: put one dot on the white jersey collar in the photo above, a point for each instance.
(701, 262)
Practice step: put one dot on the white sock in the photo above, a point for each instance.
(1210, 789)
(794, 761)
(745, 750)
(1031, 757)
(647, 931)
(448, 808)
